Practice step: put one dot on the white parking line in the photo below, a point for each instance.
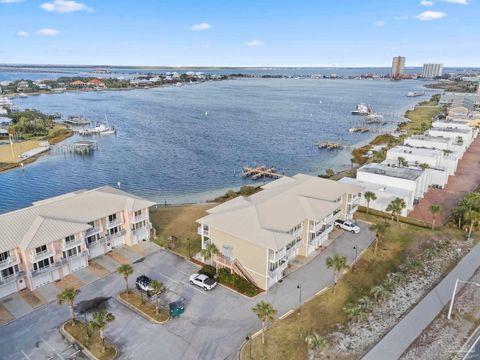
(182, 282)
(471, 348)
(183, 272)
(26, 356)
(52, 348)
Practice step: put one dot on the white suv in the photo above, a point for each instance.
(205, 282)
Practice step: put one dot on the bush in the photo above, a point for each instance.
(208, 270)
(243, 285)
(247, 190)
(224, 276)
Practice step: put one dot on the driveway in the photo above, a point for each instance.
(214, 323)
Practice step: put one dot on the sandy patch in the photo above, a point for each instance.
(69, 281)
(5, 315)
(33, 298)
(115, 255)
(98, 269)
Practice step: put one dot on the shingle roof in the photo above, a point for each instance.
(54, 218)
(266, 217)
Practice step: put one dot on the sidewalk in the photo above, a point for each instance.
(398, 339)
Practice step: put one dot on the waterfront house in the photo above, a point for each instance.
(57, 236)
(466, 135)
(259, 235)
(77, 83)
(96, 83)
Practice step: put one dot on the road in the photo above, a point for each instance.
(213, 326)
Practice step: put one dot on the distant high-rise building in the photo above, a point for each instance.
(431, 71)
(398, 66)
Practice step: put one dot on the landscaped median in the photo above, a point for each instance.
(143, 307)
(90, 341)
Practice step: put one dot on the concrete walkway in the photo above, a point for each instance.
(397, 341)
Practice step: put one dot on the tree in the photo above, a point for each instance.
(265, 313)
(157, 287)
(354, 312)
(337, 263)
(472, 217)
(395, 207)
(459, 140)
(424, 166)
(329, 173)
(380, 230)
(369, 196)
(401, 160)
(125, 270)
(434, 209)
(209, 251)
(100, 321)
(316, 343)
(67, 296)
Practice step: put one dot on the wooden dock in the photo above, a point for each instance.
(330, 145)
(257, 172)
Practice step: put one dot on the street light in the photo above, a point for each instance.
(248, 338)
(299, 287)
(454, 293)
(355, 257)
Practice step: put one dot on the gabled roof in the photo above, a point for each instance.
(55, 218)
(266, 217)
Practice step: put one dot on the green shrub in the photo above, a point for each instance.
(243, 286)
(224, 276)
(208, 270)
(247, 190)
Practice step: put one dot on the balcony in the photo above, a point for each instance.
(203, 231)
(278, 255)
(113, 223)
(223, 261)
(140, 217)
(73, 257)
(278, 272)
(322, 234)
(41, 255)
(97, 242)
(92, 231)
(70, 244)
(11, 260)
(116, 235)
(51, 267)
(10, 278)
(293, 248)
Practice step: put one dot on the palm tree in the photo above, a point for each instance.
(401, 160)
(366, 303)
(354, 312)
(473, 217)
(100, 321)
(125, 270)
(157, 287)
(424, 166)
(395, 207)
(434, 210)
(369, 196)
(209, 251)
(316, 343)
(265, 312)
(67, 296)
(378, 292)
(380, 230)
(337, 263)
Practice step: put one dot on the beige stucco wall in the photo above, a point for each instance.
(251, 256)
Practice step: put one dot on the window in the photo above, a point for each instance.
(114, 230)
(72, 252)
(139, 225)
(41, 249)
(112, 217)
(92, 239)
(69, 239)
(9, 271)
(92, 224)
(4, 256)
(42, 264)
(138, 213)
(227, 251)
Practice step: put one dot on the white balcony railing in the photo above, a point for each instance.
(203, 231)
(51, 267)
(9, 261)
(92, 231)
(278, 255)
(278, 271)
(140, 217)
(97, 242)
(116, 235)
(117, 221)
(73, 257)
(70, 244)
(41, 255)
(8, 279)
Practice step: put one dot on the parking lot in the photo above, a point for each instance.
(213, 326)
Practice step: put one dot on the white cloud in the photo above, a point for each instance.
(379, 23)
(426, 3)
(255, 43)
(461, 2)
(200, 26)
(10, 1)
(401, 17)
(48, 32)
(23, 33)
(430, 15)
(65, 6)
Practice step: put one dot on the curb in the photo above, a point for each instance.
(79, 344)
(141, 313)
(239, 293)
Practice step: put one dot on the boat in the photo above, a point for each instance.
(358, 129)
(22, 95)
(76, 120)
(415, 93)
(363, 109)
(101, 129)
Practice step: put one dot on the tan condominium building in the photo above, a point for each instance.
(57, 236)
(258, 235)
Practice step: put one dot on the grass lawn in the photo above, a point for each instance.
(93, 344)
(147, 308)
(179, 221)
(285, 338)
(423, 113)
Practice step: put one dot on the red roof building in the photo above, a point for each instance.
(96, 82)
(77, 83)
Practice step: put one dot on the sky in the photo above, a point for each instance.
(339, 33)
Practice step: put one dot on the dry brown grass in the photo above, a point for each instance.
(180, 222)
(98, 269)
(285, 338)
(5, 315)
(115, 255)
(92, 343)
(147, 308)
(32, 298)
(6, 155)
(69, 281)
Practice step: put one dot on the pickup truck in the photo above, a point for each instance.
(143, 283)
(348, 225)
(205, 282)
